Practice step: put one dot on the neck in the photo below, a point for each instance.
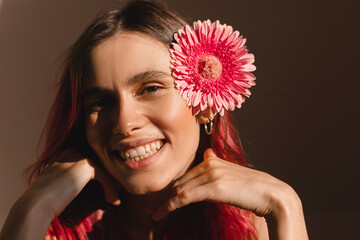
(139, 221)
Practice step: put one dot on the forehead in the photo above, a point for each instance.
(127, 54)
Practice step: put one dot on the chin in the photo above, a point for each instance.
(141, 186)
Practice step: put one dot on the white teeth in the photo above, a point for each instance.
(152, 146)
(133, 153)
(141, 152)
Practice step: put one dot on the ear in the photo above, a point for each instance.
(205, 116)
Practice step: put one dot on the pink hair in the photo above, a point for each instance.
(89, 218)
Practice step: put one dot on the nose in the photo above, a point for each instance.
(128, 118)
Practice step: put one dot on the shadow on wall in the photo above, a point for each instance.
(33, 35)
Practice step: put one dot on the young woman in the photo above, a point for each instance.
(126, 157)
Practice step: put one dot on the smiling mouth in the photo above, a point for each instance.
(140, 152)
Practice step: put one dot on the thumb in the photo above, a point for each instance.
(209, 153)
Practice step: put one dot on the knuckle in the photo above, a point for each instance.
(214, 173)
(185, 196)
(171, 204)
(83, 163)
(210, 163)
(205, 164)
(178, 190)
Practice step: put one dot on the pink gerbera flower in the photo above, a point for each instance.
(211, 66)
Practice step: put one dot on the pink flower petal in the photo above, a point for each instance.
(222, 112)
(228, 30)
(203, 103)
(196, 110)
(196, 98)
(218, 33)
(210, 99)
(232, 37)
(249, 68)
(227, 90)
(188, 34)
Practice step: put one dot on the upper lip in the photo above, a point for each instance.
(128, 144)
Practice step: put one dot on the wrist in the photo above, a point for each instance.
(35, 212)
(285, 217)
(26, 220)
(284, 202)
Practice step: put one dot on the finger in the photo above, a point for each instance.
(204, 166)
(192, 183)
(167, 193)
(110, 191)
(197, 194)
(205, 178)
(195, 182)
(209, 153)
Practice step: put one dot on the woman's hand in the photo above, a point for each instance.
(64, 180)
(217, 180)
(51, 192)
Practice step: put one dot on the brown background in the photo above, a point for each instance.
(300, 124)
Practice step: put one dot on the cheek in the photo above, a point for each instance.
(176, 120)
(96, 133)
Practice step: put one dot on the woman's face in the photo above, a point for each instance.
(136, 121)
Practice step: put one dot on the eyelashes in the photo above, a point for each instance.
(99, 104)
(106, 101)
(150, 89)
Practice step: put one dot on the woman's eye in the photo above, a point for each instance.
(150, 89)
(99, 104)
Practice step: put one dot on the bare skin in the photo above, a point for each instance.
(52, 191)
(278, 204)
(131, 116)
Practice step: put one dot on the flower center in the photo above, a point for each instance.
(209, 67)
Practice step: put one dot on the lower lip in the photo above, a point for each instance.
(146, 162)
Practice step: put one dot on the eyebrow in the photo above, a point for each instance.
(93, 91)
(146, 75)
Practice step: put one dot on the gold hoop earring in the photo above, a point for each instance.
(209, 130)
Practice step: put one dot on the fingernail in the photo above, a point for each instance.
(116, 202)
